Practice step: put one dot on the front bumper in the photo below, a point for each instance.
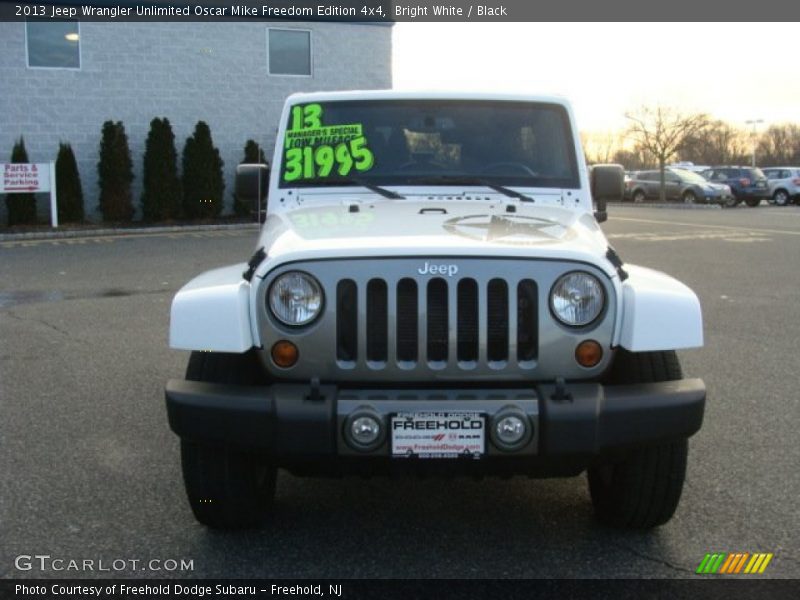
(301, 428)
(717, 197)
(751, 193)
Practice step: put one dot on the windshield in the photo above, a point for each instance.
(690, 176)
(402, 142)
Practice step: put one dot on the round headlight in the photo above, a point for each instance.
(577, 299)
(295, 298)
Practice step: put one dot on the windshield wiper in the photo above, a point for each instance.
(356, 181)
(466, 180)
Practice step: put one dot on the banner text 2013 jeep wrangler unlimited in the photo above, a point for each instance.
(431, 291)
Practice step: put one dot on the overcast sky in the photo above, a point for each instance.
(734, 71)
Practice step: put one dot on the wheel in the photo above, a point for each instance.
(640, 490)
(753, 202)
(690, 197)
(638, 196)
(781, 197)
(227, 488)
(732, 202)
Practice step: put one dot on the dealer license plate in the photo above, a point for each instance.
(438, 434)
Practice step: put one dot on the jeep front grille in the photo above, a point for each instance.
(436, 322)
(390, 320)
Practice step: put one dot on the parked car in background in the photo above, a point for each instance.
(626, 181)
(748, 184)
(784, 184)
(681, 185)
(689, 166)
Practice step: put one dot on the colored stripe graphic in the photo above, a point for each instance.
(717, 563)
(758, 563)
(703, 564)
(741, 562)
(733, 563)
(711, 562)
(729, 562)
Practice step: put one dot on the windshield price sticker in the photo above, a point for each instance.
(314, 150)
(438, 435)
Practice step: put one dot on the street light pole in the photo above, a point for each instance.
(754, 122)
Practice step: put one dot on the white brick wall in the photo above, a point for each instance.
(133, 72)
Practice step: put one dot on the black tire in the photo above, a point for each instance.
(690, 198)
(638, 196)
(753, 202)
(227, 488)
(732, 202)
(640, 490)
(781, 197)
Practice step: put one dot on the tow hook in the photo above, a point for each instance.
(561, 394)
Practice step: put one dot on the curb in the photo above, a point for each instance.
(121, 231)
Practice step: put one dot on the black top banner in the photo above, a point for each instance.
(376, 11)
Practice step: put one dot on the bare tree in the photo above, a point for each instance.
(635, 159)
(718, 143)
(779, 145)
(599, 147)
(661, 132)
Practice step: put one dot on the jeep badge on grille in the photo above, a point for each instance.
(429, 269)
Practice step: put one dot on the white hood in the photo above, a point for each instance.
(480, 226)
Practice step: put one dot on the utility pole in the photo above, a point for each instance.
(754, 122)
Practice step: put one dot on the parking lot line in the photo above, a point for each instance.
(729, 227)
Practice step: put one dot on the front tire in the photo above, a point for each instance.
(641, 489)
(226, 487)
(690, 198)
(781, 197)
(638, 196)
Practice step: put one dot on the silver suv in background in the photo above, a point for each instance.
(680, 185)
(784, 184)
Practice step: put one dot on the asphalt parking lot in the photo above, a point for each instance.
(90, 468)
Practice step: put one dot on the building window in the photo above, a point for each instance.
(289, 52)
(53, 44)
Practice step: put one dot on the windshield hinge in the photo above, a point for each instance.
(617, 263)
(253, 263)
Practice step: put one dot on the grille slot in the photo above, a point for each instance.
(377, 320)
(497, 326)
(467, 346)
(346, 321)
(407, 320)
(437, 320)
(527, 321)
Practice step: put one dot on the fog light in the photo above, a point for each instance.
(364, 430)
(511, 429)
(284, 354)
(589, 353)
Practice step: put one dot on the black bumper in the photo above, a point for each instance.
(752, 194)
(293, 425)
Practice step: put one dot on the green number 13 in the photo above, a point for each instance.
(306, 117)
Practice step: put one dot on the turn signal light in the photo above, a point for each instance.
(284, 354)
(589, 353)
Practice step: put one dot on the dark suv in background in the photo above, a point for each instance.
(681, 185)
(746, 183)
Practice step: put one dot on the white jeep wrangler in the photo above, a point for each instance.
(431, 292)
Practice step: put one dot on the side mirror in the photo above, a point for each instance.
(607, 183)
(252, 183)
